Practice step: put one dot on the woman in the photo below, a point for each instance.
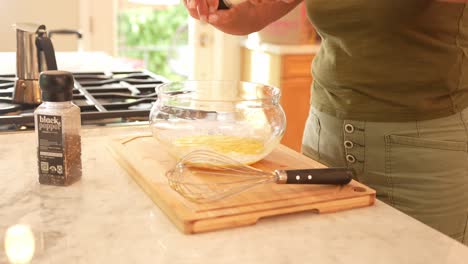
(389, 97)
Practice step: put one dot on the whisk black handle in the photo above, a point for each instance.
(337, 176)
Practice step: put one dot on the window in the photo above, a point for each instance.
(153, 34)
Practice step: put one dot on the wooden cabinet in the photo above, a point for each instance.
(292, 74)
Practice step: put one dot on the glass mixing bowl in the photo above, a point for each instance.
(241, 120)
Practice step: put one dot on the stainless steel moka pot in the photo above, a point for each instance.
(34, 54)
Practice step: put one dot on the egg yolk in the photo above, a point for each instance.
(222, 144)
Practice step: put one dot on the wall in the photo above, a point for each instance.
(98, 24)
(55, 14)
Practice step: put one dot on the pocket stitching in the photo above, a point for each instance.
(427, 143)
(388, 169)
(318, 130)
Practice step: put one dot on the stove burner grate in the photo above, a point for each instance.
(103, 97)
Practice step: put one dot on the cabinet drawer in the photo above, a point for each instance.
(296, 66)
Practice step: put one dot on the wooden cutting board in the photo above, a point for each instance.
(147, 162)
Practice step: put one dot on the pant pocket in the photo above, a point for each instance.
(311, 137)
(428, 179)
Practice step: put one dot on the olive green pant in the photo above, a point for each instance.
(420, 168)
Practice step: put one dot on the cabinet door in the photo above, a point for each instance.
(295, 97)
(296, 66)
(293, 75)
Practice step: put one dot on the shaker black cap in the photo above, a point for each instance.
(56, 86)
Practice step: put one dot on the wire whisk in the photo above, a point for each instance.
(204, 176)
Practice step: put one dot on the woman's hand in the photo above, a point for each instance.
(243, 18)
(201, 9)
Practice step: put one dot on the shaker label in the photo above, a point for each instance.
(50, 148)
(50, 123)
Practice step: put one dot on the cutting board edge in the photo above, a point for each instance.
(272, 204)
(239, 220)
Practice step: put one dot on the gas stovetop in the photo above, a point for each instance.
(103, 97)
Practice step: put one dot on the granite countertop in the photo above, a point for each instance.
(107, 218)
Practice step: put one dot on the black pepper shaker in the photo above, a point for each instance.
(58, 125)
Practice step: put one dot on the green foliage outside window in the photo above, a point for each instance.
(149, 34)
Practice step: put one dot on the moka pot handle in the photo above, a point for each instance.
(46, 48)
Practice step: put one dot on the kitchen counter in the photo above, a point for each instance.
(107, 218)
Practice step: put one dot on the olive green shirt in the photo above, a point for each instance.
(390, 60)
